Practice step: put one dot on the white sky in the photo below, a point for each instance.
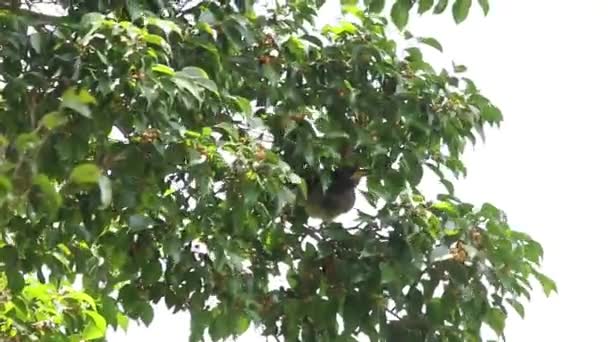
(543, 63)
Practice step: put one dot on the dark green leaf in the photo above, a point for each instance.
(495, 318)
(146, 313)
(376, 6)
(9, 255)
(460, 10)
(440, 6)
(15, 279)
(425, 5)
(432, 42)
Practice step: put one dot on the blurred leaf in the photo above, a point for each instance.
(400, 13)
(53, 120)
(78, 100)
(163, 69)
(242, 324)
(485, 5)
(424, 5)
(519, 308)
(460, 10)
(15, 279)
(547, 283)
(376, 6)
(139, 222)
(496, 320)
(85, 174)
(123, 321)
(96, 328)
(431, 42)
(36, 42)
(82, 297)
(9, 255)
(440, 6)
(52, 199)
(491, 113)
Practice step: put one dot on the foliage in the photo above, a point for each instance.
(132, 132)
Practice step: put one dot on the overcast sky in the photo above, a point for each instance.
(543, 62)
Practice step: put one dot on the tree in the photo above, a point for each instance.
(157, 150)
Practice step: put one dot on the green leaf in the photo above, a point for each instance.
(388, 273)
(446, 207)
(440, 6)
(519, 308)
(167, 26)
(485, 6)
(491, 114)
(460, 68)
(155, 40)
(53, 120)
(495, 318)
(135, 9)
(5, 186)
(533, 251)
(425, 5)
(85, 174)
(82, 297)
(460, 10)
(376, 6)
(27, 141)
(146, 313)
(242, 324)
(91, 19)
(9, 255)
(163, 69)
(209, 85)
(96, 327)
(78, 100)
(435, 311)
(431, 42)
(173, 248)
(52, 199)
(400, 13)
(15, 279)
(547, 283)
(244, 105)
(123, 321)
(194, 72)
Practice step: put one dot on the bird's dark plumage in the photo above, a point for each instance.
(339, 196)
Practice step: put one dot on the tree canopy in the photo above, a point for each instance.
(157, 151)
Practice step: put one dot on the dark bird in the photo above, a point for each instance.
(339, 196)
